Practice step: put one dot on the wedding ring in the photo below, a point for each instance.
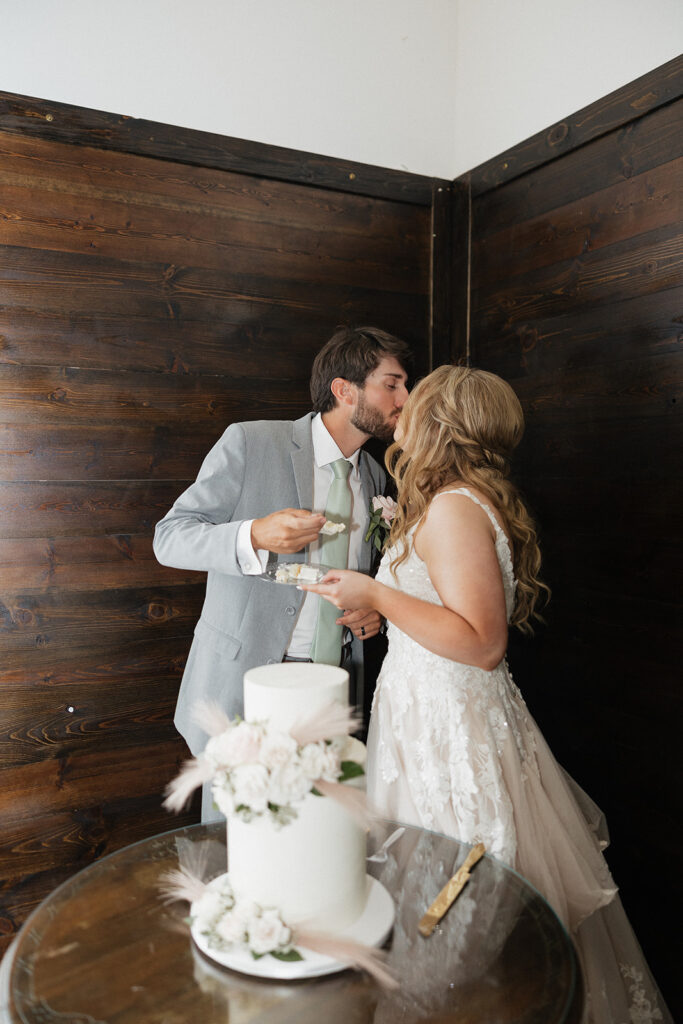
(362, 630)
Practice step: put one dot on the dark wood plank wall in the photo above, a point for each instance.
(577, 299)
(149, 296)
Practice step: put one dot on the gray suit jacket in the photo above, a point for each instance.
(254, 469)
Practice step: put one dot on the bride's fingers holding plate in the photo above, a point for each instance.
(343, 588)
(326, 588)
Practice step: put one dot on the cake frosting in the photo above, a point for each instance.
(313, 868)
(296, 832)
(329, 529)
(298, 572)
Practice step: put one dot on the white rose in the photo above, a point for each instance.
(268, 933)
(221, 885)
(341, 746)
(232, 927)
(331, 765)
(206, 909)
(313, 759)
(238, 745)
(222, 793)
(289, 784)
(277, 749)
(250, 786)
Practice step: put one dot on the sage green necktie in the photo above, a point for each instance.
(334, 552)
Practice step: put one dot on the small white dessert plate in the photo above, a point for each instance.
(372, 928)
(285, 572)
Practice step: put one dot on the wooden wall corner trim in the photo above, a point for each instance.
(450, 273)
(655, 89)
(440, 311)
(461, 269)
(82, 126)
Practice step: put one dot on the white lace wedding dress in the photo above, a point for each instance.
(453, 748)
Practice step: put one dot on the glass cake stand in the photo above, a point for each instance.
(103, 948)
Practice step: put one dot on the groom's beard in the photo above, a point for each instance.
(370, 420)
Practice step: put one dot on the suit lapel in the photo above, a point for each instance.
(367, 485)
(302, 460)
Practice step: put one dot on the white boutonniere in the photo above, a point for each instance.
(382, 511)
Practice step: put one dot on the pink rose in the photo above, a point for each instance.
(250, 786)
(240, 744)
(268, 933)
(388, 506)
(277, 749)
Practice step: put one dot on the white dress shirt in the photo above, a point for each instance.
(325, 451)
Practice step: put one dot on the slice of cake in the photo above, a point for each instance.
(329, 529)
(298, 572)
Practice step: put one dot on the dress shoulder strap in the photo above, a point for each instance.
(472, 497)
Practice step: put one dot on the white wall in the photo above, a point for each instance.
(522, 65)
(364, 80)
(431, 86)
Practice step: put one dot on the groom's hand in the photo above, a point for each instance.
(286, 531)
(363, 623)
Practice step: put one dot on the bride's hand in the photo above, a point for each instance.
(344, 589)
(363, 622)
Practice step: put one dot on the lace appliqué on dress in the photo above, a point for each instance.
(453, 748)
(451, 722)
(641, 1010)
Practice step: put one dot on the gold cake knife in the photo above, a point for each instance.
(450, 891)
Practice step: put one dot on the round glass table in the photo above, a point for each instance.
(104, 948)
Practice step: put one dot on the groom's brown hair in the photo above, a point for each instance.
(352, 353)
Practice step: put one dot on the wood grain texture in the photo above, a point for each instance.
(638, 204)
(644, 144)
(62, 122)
(113, 452)
(67, 509)
(156, 285)
(69, 395)
(85, 563)
(577, 300)
(630, 328)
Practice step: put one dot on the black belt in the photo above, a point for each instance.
(345, 655)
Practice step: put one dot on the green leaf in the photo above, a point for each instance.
(289, 957)
(373, 523)
(351, 770)
(257, 956)
(378, 543)
(315, 792)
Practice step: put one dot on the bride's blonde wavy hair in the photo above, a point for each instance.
(461, 425)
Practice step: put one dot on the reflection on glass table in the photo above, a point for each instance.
(105, 949)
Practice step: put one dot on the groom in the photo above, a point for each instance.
(252, 502)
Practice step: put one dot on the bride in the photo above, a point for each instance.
(451, 745)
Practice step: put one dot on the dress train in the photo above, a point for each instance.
(454, 749)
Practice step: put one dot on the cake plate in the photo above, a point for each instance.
(270, 573)
(372, 928)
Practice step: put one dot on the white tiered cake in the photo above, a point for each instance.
(312, 869)
(296, 901)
